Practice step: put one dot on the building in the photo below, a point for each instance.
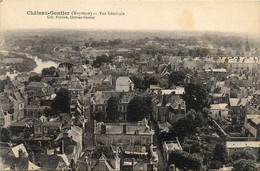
(252, 125)
(131, 137)
(252, 147)
(124, 84)
(169, 146)
(219, 111)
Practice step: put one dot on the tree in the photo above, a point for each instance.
(149, 81)
(62, 101)
(195, 97)
(176, 78)
(137, 109)
(67, 65)
(183, 127)
(49, 112)
(184, 160)
(137, 81)
(2, 85)
(35, 78)
(5, 135)
(242, 155)
(101, 59)
(28, 132)
(220, 153)
(244, 165)
(49, 71)
(214, 164)
(112, 109)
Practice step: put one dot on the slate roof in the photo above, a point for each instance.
(220, 106)
(243, 144)
(50, 162)
(238, 101)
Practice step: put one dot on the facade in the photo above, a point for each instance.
(124, 84)
(132, 137)
(219, 111)
(252, 147)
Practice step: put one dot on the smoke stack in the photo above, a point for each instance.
(62, 147)
(124, 129)
(20, 153)
(103, 129)
(32, 157)
(133, 164)
(172, 167)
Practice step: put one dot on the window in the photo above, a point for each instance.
(45, 130)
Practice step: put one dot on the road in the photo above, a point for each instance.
(162, 162)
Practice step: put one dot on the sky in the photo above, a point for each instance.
(224, 16)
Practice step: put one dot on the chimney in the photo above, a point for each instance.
(62, 147)
(32, 157)
(179, 108)
(150, 167)
(172, 167)
(133, 164)
(103, 129)
(20, 153)
(124, 129)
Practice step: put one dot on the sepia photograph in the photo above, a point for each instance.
(132, 85)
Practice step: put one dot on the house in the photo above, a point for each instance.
(37, 89)
(252, 147)
(124, 84)
(170, 108)
(252, 125)
(5, 118)
(72, 139)
(169, 146)
(238, 105)
(49, 128)
(16, 158)
(75, 87)
(101, 158)
(219, 111)
(76, 106)
(100, 98)
(132, 137)
(52, 162)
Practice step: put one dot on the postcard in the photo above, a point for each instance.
(129, 85)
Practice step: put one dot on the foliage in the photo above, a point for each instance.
(184, 160)
(2, 85)
(220, 153)
(176, 78)
(6, 135)
(35, 78)
(183, 127)
(28, 132)
(203, 49)
(138, 108)
(49, 71)
(149, 81)
(66, 64)
(99, 116)
(101, 59)
(145, 83)
(112, 109)
(244, 165)
(215, 164)
(137, 82)
(49, 112)
(242, 155)
(195, 97)
(192, 148)
(26, 66)
(62, 101)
